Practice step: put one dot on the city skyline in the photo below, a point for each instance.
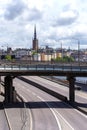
(56, 21)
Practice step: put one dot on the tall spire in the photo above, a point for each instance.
(35, 34)
(35, 40)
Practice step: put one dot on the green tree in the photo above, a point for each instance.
(8, 57)
(64, 59)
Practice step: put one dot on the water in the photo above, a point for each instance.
(78, 79)
(81, 80)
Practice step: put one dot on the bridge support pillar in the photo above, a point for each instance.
(8, 89)
(71, 80)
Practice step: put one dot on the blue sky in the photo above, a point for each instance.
(57, 21)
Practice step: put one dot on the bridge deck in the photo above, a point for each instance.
(41, 70)
(60, 70)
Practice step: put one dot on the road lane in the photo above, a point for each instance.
(3, 119)
(43, 119)
(73, 118)
(80, 97)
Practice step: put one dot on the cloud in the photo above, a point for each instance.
(67, 18)
(18, 9)
(67, 35)
(14, 35)
(54, 20)
(35, 14)
(14, 9)
(32, 14)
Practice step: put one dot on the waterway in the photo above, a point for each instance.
(78, 79)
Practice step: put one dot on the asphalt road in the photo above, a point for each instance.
(41, 115)
(80, 97)
(47, 112)
(3, 120)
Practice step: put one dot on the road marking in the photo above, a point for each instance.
(31, 124)
(60, 114)
(57, 113)
(83, 96)
(7, 119)
(62, 88)
(58, 123)
(57, 120)
(53, 112)
(64, 119)
(34, 93)
(76, 110)
(81, 113)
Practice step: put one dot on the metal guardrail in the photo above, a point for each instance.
(60, 67)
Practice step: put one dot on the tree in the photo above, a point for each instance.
(8, 57)
(64, 59)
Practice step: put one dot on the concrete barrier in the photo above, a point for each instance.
(49, 91)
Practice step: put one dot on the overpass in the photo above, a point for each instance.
(12, 71)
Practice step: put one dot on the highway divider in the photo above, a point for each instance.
(49, 91)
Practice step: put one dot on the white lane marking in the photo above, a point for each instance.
(83, 96)
(58, 123)
(77, 95)
(34, 93)
(64, 119)
(31, 124)
(57, 120)
(81, 113)
(77, 110)
(59, 86)
(7, 119)
(71, 107)
(58, 114)
(55, 111)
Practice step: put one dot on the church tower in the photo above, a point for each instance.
(35, 40)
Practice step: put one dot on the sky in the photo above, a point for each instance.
(57, 22)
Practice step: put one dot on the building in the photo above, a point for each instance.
(19, 53)
(9, 50)
(35, 40)
(37, 57)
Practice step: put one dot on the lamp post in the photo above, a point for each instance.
(61, 49)
(78, 51)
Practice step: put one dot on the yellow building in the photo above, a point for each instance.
(46, 57)
(59, 55)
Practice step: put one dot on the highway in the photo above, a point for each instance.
(81, 97)
(41, 115)
(48, 112)
(4, 124)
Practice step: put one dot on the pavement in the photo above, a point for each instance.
(79, 106)
(17, 115)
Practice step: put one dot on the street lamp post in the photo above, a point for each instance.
(78, 51)
(61, 49)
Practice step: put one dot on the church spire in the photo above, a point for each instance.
(35, 34)
(35, 40)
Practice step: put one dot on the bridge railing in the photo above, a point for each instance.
(53, 67)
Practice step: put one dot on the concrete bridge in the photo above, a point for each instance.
(12, 71)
